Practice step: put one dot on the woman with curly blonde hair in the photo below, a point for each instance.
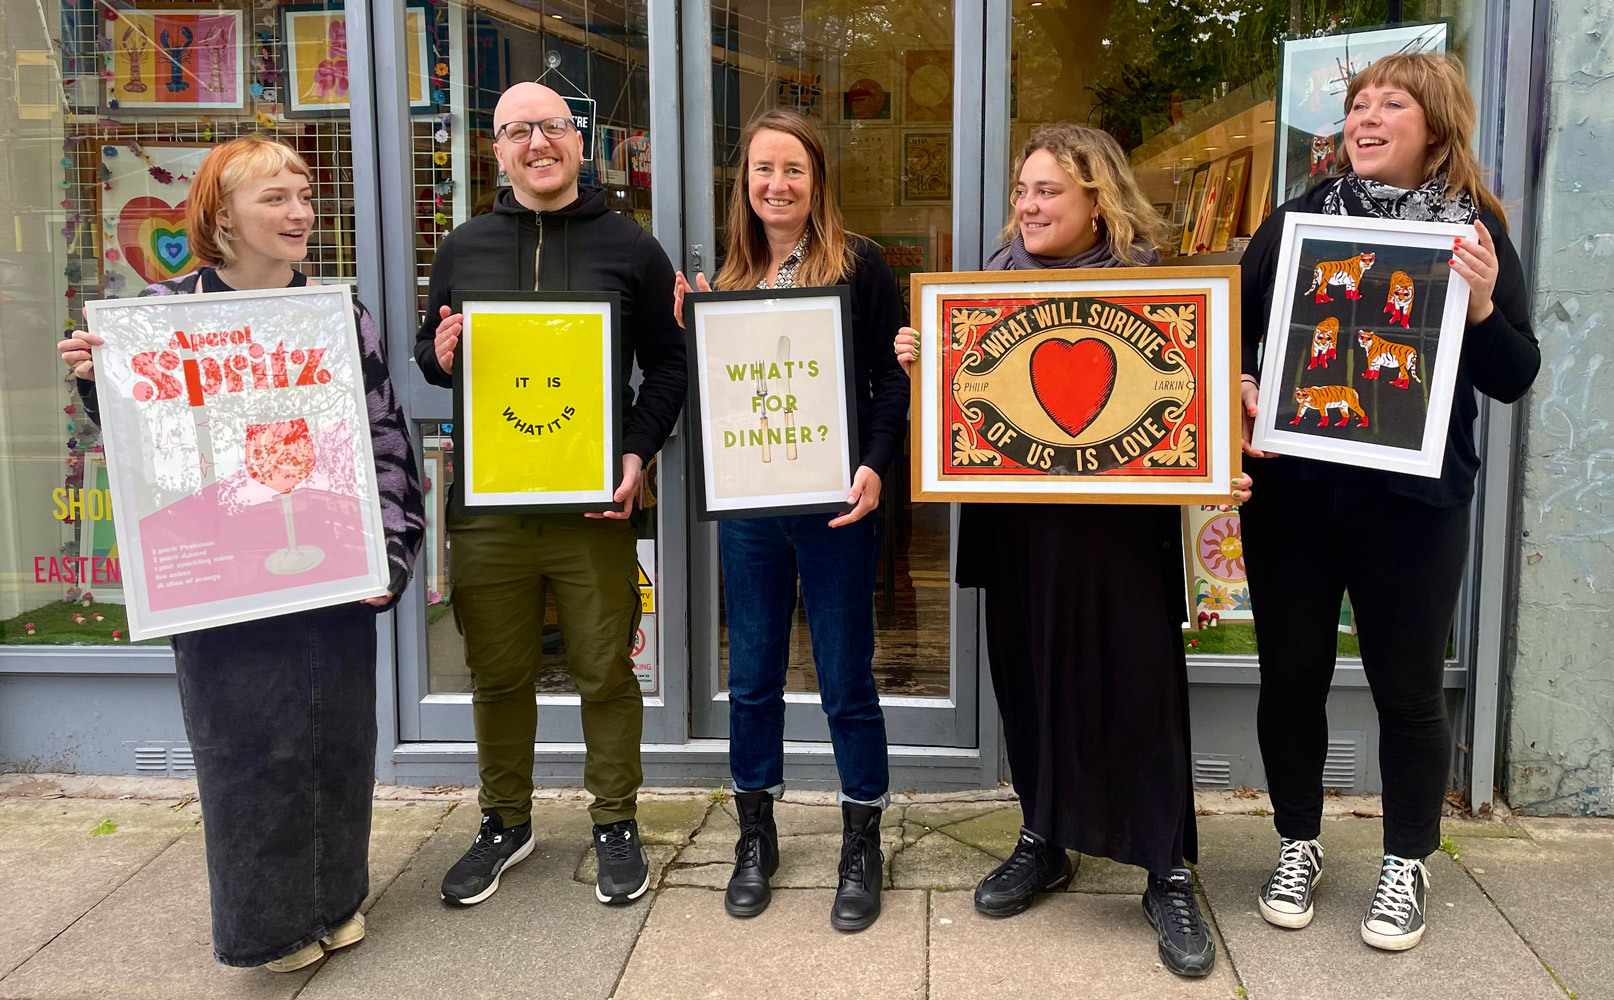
(1084, 605)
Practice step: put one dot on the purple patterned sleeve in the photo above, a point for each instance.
(403, 512)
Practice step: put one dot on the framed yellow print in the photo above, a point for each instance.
(537, 415)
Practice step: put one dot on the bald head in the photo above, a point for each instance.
(528, 102)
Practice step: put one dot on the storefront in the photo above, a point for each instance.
(111, 106)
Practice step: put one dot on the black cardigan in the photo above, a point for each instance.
(1500, 358)
(879, 384)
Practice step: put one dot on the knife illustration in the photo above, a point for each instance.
(762, 408)
(790, 416)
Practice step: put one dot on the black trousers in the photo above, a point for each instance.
(281, 718)
(1306, 543)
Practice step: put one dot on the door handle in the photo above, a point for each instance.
(695, 252)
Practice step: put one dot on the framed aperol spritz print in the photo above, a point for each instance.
(1103, 386)
(537, 414)
(238, 449)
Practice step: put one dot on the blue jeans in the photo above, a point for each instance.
(762, 558)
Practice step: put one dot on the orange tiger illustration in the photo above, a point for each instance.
(1399, 303)
(1383, 353)
(1324, 397)
(1322, 154)
(1346, 272)
(1323, 343)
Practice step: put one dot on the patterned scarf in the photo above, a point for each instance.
(1428, 202)
(788, 266)
(1013, 256)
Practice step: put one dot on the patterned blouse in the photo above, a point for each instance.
(788, 266)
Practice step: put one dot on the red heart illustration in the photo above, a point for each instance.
(1073, 381)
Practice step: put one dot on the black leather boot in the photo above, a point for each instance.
(857, 901)
(756, 856)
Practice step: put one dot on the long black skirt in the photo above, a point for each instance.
(1084, 607)
(281, 718)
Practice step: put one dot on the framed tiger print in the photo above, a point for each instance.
(1114, 385)
(1359, 363)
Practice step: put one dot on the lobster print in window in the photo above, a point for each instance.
(1364, 331)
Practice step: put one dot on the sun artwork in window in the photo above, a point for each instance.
(1221, 548)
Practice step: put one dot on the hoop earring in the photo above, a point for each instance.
(1094, 223)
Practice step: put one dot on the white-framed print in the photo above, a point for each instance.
(1361, 351)
(238, 444)
(771, 412)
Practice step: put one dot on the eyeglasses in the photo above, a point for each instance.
(552, 128)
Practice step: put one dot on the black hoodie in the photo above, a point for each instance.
(583, 247)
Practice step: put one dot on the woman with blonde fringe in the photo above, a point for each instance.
(1085, 603)
(1408, 123)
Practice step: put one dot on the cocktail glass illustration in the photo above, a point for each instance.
(280, 456)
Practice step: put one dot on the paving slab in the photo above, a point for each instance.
(670, 821)
(53, 870)
(152, 937)
(692, 949)
(943, 814)
(659, 855)
(541, 934)
(1067, 945)
(1555, 891)
(936, 861)
(1105, 876)
(1468, 951)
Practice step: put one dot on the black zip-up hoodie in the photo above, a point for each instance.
(583, 247)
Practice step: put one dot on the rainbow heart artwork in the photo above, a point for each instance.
(152, 236)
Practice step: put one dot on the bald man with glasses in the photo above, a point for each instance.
(547, 233)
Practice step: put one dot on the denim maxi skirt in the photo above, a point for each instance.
(282, 723)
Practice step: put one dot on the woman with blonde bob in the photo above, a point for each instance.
(1409, 120)
(1085, 603)
(280, 712)
(785, 231)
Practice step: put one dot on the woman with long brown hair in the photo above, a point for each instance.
(1085, 603)
(1408, 123)
(785, 231)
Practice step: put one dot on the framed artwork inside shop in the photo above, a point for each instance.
(928, 87)
(1314, 73)
(313, 42)
(1230, 213)
(869, 95)
(1196, 196)
(1360, 361)
(1105, 386)
(175, 58)
(614, 155)
(1209, 207)
(868, 167)
(242, 479)
(537, 415)
(906, 254)
(142, 200)
(927, 176)
(772, 417)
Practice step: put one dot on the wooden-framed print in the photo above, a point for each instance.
(1314, 74)
(1196, 198)
(537, 406)
(142, 208)
(237, 438)
(1213, 550)
(1106, 385)
(927, 172)
(1230, 213)
(314, 55)
(770, 406)
(176, 59)
(1209, 207)
(1360, 360)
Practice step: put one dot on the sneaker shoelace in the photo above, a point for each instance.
(1178, 905)
(1396, 898)
(1293, 876)
(616, 847)
(1021, 861)
(486, 844)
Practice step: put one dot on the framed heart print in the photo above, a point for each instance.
(1113, 385)
(143, 235)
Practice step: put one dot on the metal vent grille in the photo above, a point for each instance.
(1213, 772)
(151, 759)
(179, 759)
(1343, 767)
(166, 759)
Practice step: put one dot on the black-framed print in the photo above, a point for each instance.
(771, 409)
(537, 410)
(313, 52)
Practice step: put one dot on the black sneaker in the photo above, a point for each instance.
(1035, 866)
(624, 869)
(1186, 947)
(1285, 900)
(475, 876)
(1394, 921)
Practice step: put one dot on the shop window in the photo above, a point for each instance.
(114, 108)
